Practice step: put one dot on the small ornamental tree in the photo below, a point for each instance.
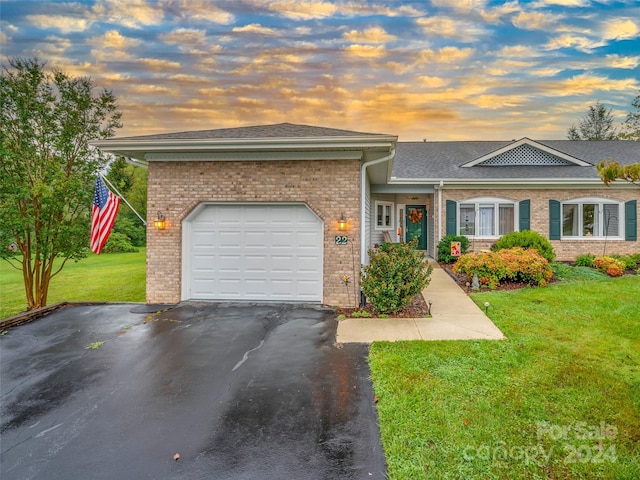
(48, 169)
(397, 272)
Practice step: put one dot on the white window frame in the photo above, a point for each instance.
(599, 202)
(494, 202)
(383, 204)
(401, 208)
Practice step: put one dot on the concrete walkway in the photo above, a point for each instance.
(454, 317)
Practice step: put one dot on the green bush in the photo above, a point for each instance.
(585, 260)
(629, 261)
(512, 264)
(526, 239)
(397, 272)
(119, 243)
(444, 247)
(134, 229)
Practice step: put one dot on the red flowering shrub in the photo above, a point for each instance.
(610, 266)
(512, 264)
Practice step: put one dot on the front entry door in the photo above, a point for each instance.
(416, 225)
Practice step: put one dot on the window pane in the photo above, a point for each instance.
(379, 215)
(610, 219)
(506, 219)
(486, 220)
(589, 220)
(387, 216)
(467, 219)
(569, 220)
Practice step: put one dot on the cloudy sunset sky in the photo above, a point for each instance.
(439, 69)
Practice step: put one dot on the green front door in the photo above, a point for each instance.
(416, 225)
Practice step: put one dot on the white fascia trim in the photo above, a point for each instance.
(254, 156)
(232, 144)
(533, 144)
(499, 181)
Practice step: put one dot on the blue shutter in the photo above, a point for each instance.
(555, 220)
(525, 215)
(631, 221)
(452, 220)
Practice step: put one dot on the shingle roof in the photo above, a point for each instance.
(280, 130)
(444, 160)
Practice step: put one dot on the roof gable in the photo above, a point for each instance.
(525, 152)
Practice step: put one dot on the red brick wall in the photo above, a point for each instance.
(329, 188)
(565, 249)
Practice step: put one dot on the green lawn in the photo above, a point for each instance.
(114, 277)
(560, 398)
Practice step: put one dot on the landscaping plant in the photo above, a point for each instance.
(585, 260)
(610, 266)
(397, 272)
(513, 264)
(629, 261)
(526, 239)
(444, 247)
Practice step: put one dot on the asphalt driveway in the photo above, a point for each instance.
(238, 391)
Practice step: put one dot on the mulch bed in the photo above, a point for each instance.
(417, 309)
(461, 280)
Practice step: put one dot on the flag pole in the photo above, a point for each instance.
(124, 199)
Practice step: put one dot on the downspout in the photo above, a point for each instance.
(363, 181)
(440, 212)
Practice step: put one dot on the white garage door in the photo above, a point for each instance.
(259, 252)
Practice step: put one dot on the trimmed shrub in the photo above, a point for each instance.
(526, 239)
(585, 260)
(512, 264)
(628, 261)
(118, 243)
(444, 247)
(610, 266)
(397, 272)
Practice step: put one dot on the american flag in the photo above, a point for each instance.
(103, 215)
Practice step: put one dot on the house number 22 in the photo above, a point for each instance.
(342, 240)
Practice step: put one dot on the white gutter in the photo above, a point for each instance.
(363, 181)
(136, 163)
(497, 181)
(440, 212)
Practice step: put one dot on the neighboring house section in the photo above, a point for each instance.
(486, 189)
(254, 213)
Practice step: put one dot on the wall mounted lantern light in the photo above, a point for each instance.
(342, 223)
(160, 222)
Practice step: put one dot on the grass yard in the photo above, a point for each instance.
(560, 398)
(114, 277)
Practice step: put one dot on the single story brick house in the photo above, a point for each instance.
(284, 212)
